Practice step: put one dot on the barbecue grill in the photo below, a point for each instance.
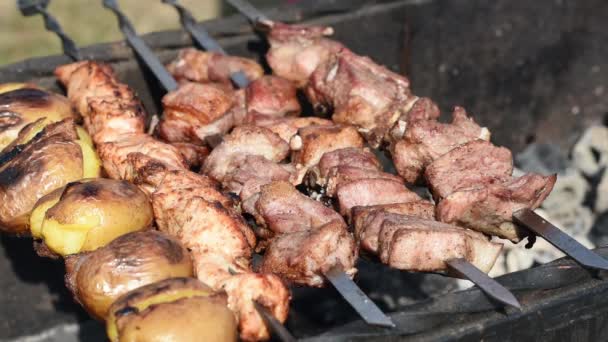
(520, 68)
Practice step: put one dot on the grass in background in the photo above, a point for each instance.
(87, 22)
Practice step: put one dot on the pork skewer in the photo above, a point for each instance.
(372, 314)
(526, 218)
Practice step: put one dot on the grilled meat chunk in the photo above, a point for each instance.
(312, 142)
(202, 67)
(191, 108)
(349, 156)
(427, 140)
(475, 163)
(193, 154)
(244, 140)
(286, 127)
(368, 220)
(366, 192)
(421, 109)
(296, 51)
(272, 96)
(417, 244)
(361, 93)
(344, 174)
(303, 257)
(489, 208)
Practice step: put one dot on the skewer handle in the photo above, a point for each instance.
(33, 7)
(276, 326)
(367, 309)
(140, 47)
(559, 239)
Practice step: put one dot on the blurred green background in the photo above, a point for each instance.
(87, 22)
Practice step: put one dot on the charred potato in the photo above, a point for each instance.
(88, 214)
(52, 156)
(178, 309)
(20, 104)
(133, 260)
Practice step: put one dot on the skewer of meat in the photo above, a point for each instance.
(338, 78)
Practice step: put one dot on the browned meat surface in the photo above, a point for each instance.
(303, 257)
(203, 67)
(422, 109)
(361, 93)
(475, 163)
(367, 221)
(193, 154)
(349, 156)
(417, 244)
(312, 142)
(286, 128)
(272, 96)
(191, 108)
(109, 108)
(283, 209)
(244, 140)
(427, 140)
(489, 208)
(343, 174)
(296, 51)
(367, 192)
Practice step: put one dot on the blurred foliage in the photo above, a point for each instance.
(87, 22)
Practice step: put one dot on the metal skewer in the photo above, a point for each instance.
(33, 7)
(559, 239)
(204, 39)
(276, 326)
(140, 47)
(253, 14)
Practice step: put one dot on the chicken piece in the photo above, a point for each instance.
(344, 174)
(244, 140)
(312, 142)
(192, 107)
(281, 208)
(193, 154)
(368, 220)
(109, 108)
(361, 93)
(489, 208)
(427, 140)
(202, 67)
(114, 155)
(422, 245)
(303, 257)
(272, 96)
(266, 289)
(288, 127)
(422, 109)
(296, 51)
(366, 192)
(468, 165)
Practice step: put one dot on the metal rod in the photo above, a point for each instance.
(204, 39)
(559, 239)
(140, 47)
(276, 326)
(489, 286)
(33, 7)
(366, 308)
(252, 13)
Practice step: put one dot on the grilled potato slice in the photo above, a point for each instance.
(21, 104)
(88, 214)
(49, 157)
(133, 260)
(177, 309)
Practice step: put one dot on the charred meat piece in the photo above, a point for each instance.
(475, 163)
(366, 192)
(368, 220)
(194, 154)
(427, 140)
(286, 127)
(244, 140)
(192, 107)
(489, 208)
(312, 142)
(296, 51)
(344, 174)
(422, 245)
(303, 257)
(349, 156)
(272, 96)
(281, 208)
(361, 93)
(202, 67)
